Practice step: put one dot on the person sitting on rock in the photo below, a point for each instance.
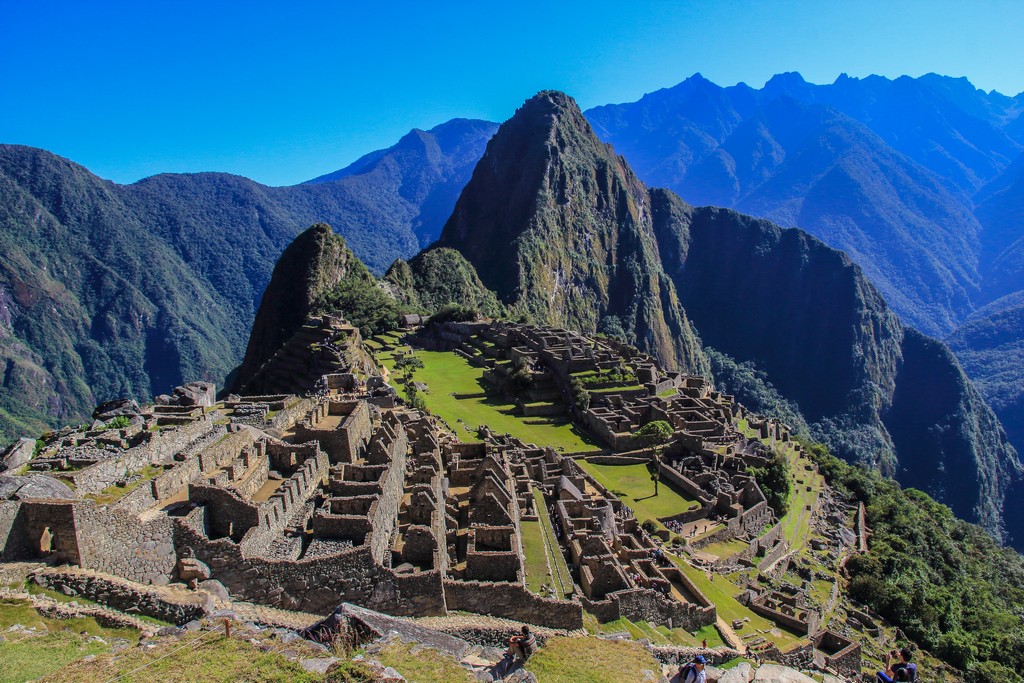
(523, 645)
(898, 667)
(693, 672)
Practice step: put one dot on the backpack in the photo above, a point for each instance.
(911, 670)
(685, 671)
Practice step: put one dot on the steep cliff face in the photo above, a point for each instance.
(805, 315)
(310, 267)
(949, 441)
(560, 228)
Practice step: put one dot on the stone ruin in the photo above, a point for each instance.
(342, 494)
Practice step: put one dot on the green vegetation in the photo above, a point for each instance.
(621, 375)
(208, 657)
(722, 591)
(456, 392)
(654, 433)
(28, 657)
(442, 280)
(580, 395)
(945, 582)
(114, 492)
(362, 303)
(591, 660)
(536, 562)
(632, 483)
(119, 422)
(724, 549)
(424, 666)
(774, 480)
(562, 579)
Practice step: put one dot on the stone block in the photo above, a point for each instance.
(19, 453)
(775, 673)
(108, 410)
(196, 394)
(190, 568)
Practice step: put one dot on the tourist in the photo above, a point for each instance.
(693, 672)
(523, 645)
(704, 643)
(898, 667)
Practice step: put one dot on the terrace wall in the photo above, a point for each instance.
(512, 601)
(315, 585)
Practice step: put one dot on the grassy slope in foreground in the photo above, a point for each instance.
(26, 657)
(447, 373)
(590, 660)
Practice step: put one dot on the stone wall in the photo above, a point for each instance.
(641, 604)
(315, 585)
(176, 607)
(115, 542)
(290, 414)
(157, 448)
(347, 441)
(13, 542)
(58, 517)
(512, 601)
(841, 653)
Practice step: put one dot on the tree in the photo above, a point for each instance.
(656, 434)
(580, 395)
(774, 482)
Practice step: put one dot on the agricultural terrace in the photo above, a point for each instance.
(722, 591)
(455, 392)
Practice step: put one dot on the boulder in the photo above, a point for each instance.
(14, 487)
(775, 673)
(196, 394)
(215, 588)
(163, 400)
(17, 454)
(108, 410)
(317, 665)
(741, 673)
(190, 568)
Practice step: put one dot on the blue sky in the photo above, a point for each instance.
(283, 92)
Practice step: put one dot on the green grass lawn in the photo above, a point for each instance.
(556, 561)
(536, 560)
(213, 659)
(725, 549)
(591, 660)
(632, 483)
(447, 373)
(423, 666)
(721, 591)
(64, 641)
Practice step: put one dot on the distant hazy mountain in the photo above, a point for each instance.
(881, 169)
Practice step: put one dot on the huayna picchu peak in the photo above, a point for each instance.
(561, 230)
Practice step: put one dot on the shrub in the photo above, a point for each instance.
(455, 313)
(580, 395)
(119, 422)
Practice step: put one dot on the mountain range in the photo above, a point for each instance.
(112, 289)
(109, 290)
(563, 233)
